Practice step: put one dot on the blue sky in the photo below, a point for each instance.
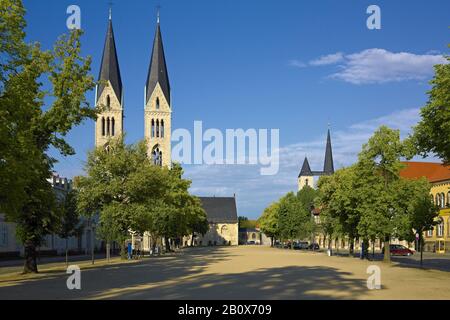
(292, 65)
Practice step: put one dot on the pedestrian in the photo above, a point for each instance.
(130, 251)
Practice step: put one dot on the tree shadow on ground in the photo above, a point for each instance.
(182, 277)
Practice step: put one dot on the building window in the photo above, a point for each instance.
(307, 182)
(440, 228)
(3, 235)
(443, 200)
(108, 126)
(103, 126)
(162, 128)
(157, 128)
(113, 124)
(448, 199)
(437, 202)
(108, 101)
(153, 128)
(430, 233)
(224, 229)
(157, 103)
(157, 156)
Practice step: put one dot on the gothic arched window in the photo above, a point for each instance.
(108, 101)
(157, 128)
(153, 128)
(108, 126)
(113, 124)
(162, 128)
(103, 126)
(157, 103)
(157, 156)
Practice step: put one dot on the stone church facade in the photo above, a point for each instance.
(221, 212)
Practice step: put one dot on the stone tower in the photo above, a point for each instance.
(110, 93)
(157, 106)
(306, 175)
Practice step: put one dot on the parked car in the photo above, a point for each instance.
(251, 242)
(302, 245)
(314, 246)
(399, 250)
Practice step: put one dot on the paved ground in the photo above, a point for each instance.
(250, 272)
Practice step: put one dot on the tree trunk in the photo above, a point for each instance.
(351, 248)
(387, 250)
(30, 258)
(271, 241)
(421, 249)
(373, 249)
(166, 241)
(123, 250)
(192, 239)
(108, 251)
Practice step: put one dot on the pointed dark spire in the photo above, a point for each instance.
(109, 69)
(157, 72)
(306, 169)
(328, 167)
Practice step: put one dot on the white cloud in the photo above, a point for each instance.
(328, 59)
(381, 66)
(254, 192)
(375, 66)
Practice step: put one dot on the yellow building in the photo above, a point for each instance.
(438, 175)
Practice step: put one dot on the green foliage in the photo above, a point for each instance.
(307, 196)
(70, 223)
(29, 126)
(294, 221)
(432, 133)
(268, 222)
(132, 194)
(370, 200)
(248, 224)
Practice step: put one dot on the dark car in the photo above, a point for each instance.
(314, 247)
(399, 250)
(301, 245)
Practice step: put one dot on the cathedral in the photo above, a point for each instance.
(221, 211)
(157, 107)
(306, 175)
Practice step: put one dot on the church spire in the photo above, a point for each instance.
(109, 70)
(158, 70)
(306, 169)
(328, 167)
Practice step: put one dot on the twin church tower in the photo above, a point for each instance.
(157, 107)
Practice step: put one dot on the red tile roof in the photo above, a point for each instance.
(434, 172)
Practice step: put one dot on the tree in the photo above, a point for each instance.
(70, 224)
(306, 196)
(378, 169)
(339, 197)
(133, 195)
(432, 133)
(328, 222)
(268, 222)
(30, 126)
(294, 220)
(417, 211)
